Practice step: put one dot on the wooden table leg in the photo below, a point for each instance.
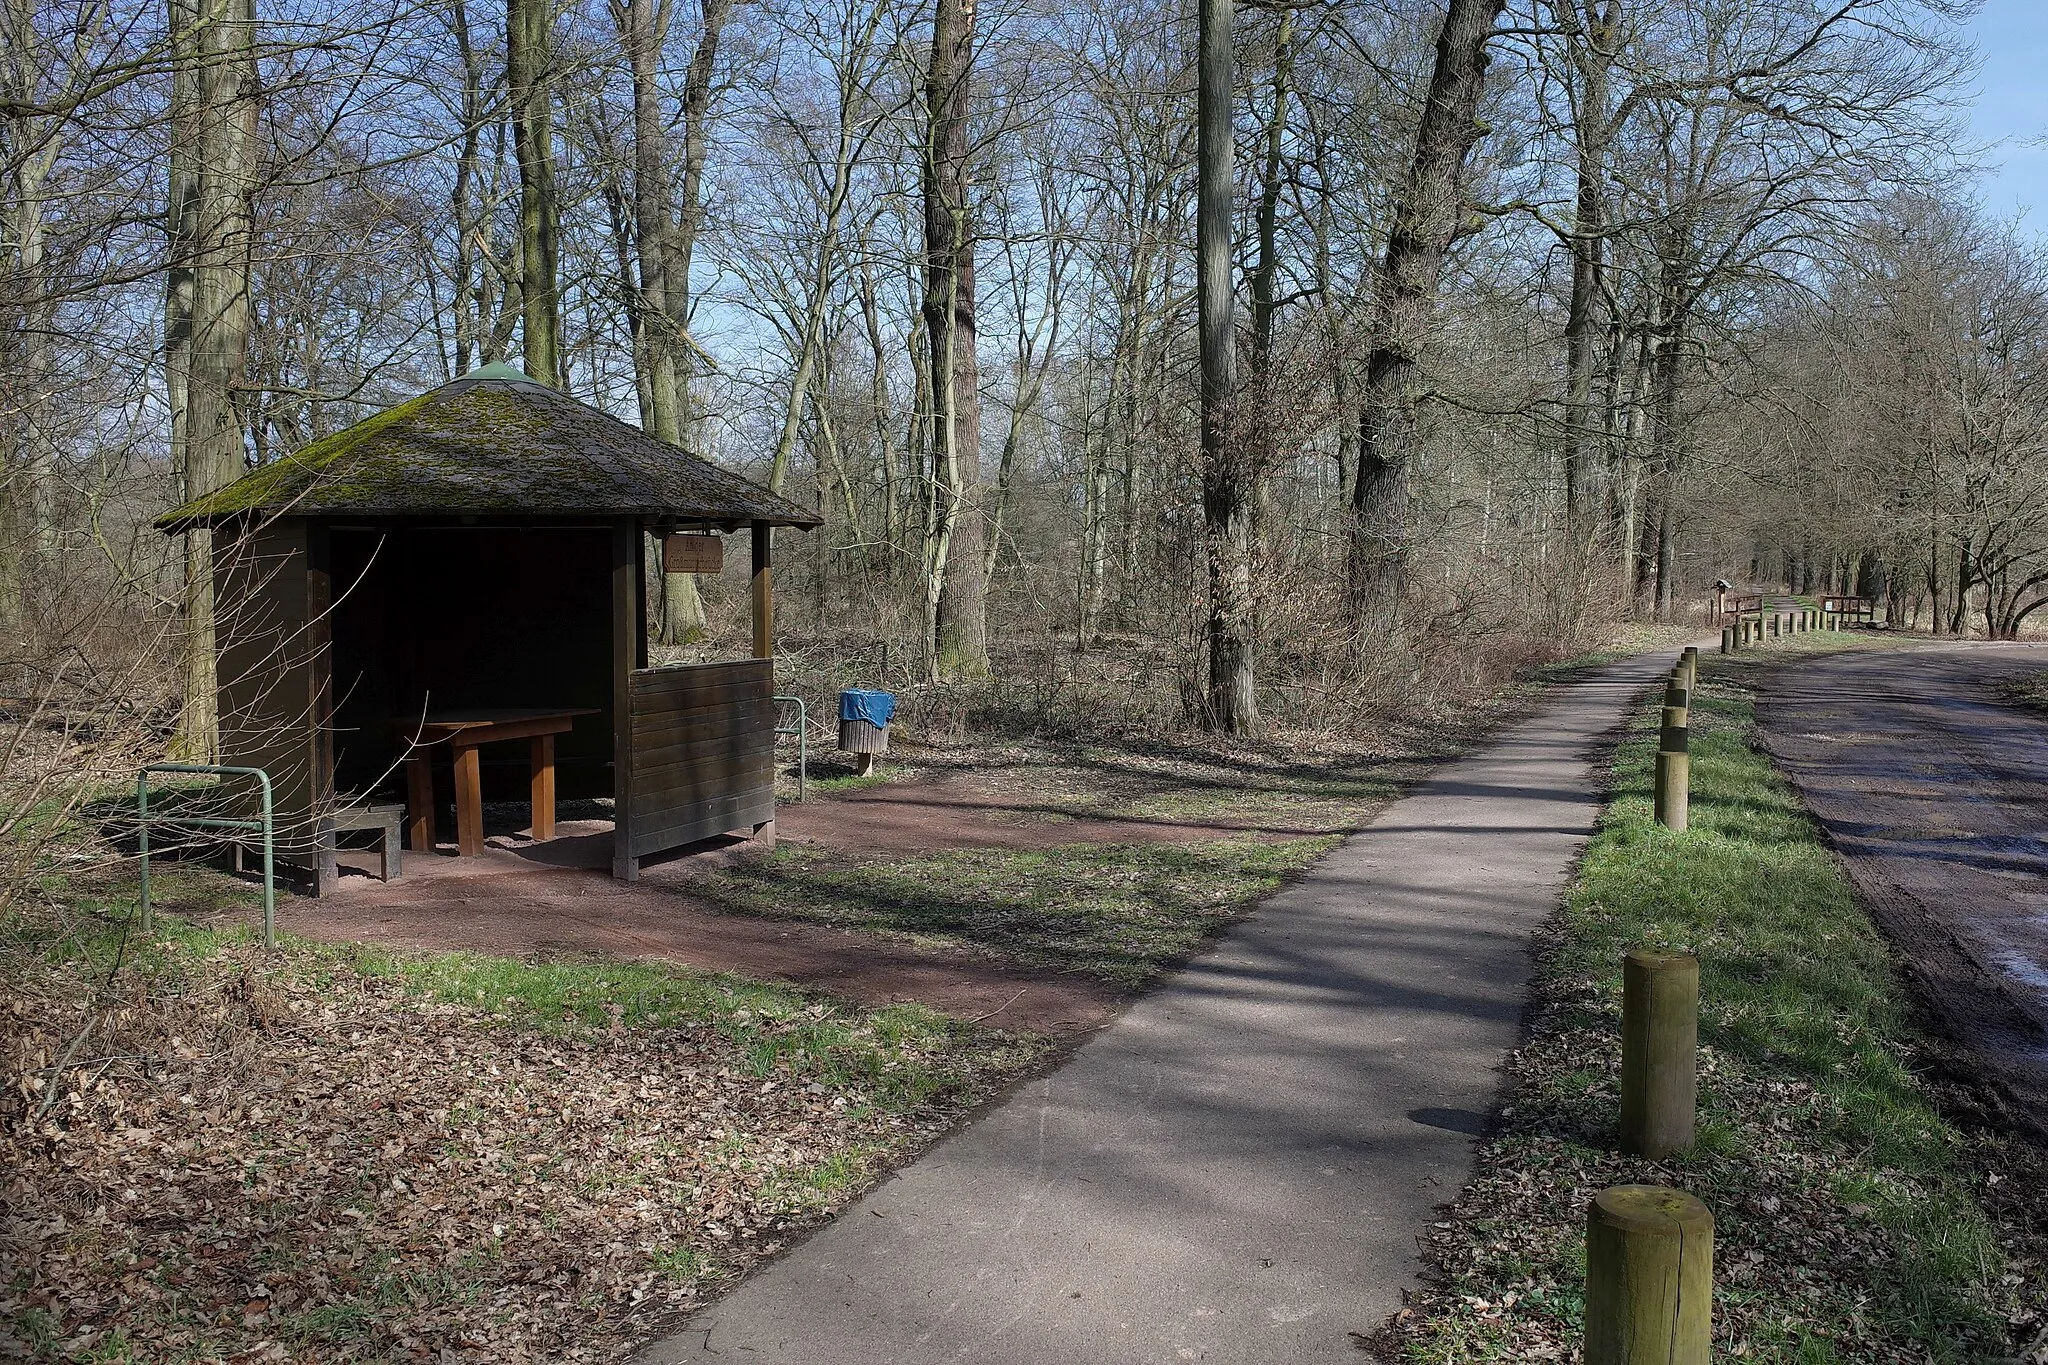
(469, 802)
(419, 802)
(543, 778)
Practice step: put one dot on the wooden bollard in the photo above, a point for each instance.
(1671, 729)
(1649, 1277)
(1727, 639)
(1660, 1032)
(1674, 778)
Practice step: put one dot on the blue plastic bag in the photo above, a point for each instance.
(876, 708)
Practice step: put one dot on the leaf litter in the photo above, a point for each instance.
(293, 1160)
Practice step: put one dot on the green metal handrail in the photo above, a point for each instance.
(802, 731)
(267, 824)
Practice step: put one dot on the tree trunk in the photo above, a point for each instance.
(1227, 486)
(1426, 223)
(529, 54)
(1592, 53)
(214, 43)
(1667, 375)
(643, 26)
(664, 278)
(956, 570)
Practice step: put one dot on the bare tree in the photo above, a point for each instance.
(213, 120)
(956, 591)
(1228, 482)
(529, 58)
(1430, 217)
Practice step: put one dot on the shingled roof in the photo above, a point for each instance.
(494, 443)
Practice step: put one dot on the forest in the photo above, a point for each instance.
(1244, 466)
(1227, 368)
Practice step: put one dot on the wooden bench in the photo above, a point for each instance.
(389, 822)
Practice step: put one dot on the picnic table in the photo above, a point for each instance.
(463, 732)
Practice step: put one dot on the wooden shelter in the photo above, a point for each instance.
(471, 565)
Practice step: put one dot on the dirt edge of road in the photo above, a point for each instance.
(1975, 1020)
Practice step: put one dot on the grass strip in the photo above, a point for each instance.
(1120, 912)
(1852, 1221)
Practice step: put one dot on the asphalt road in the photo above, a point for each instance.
(1237, 1168)
(1933, 785)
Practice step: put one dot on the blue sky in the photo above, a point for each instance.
(2011, 109)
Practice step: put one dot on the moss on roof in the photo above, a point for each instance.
(494, 443)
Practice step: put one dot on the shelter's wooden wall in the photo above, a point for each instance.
(270, 666)
(703, 753)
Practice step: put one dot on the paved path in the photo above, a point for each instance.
(1236, 1170)
(1934, 787)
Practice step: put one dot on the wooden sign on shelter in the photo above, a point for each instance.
(688, 553)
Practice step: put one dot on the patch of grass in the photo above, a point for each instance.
(2029, 689)
(830, 782)
(1849, 1219)
(681, 1264)
(773, 1026)
(1116, 911)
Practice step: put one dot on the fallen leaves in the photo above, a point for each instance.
(267, 1163)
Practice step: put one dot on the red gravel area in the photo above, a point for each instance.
(523, 898)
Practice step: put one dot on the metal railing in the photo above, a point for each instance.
(267, 824)
(802, 731)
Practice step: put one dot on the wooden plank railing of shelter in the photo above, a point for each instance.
(703, 753)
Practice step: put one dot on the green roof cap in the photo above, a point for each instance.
(495, 442)
(498, 369)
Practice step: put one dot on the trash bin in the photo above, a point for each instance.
(864, 716)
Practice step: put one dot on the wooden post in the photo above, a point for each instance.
(629, 614)
(1671, 730)
(1649, 1277)
(1672, 801)
(419, 802)
(763, 599)
(469, 801)
(320, 702)
(1660, 1012)
(763, 586)
(541, 782)
(1727, 639)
